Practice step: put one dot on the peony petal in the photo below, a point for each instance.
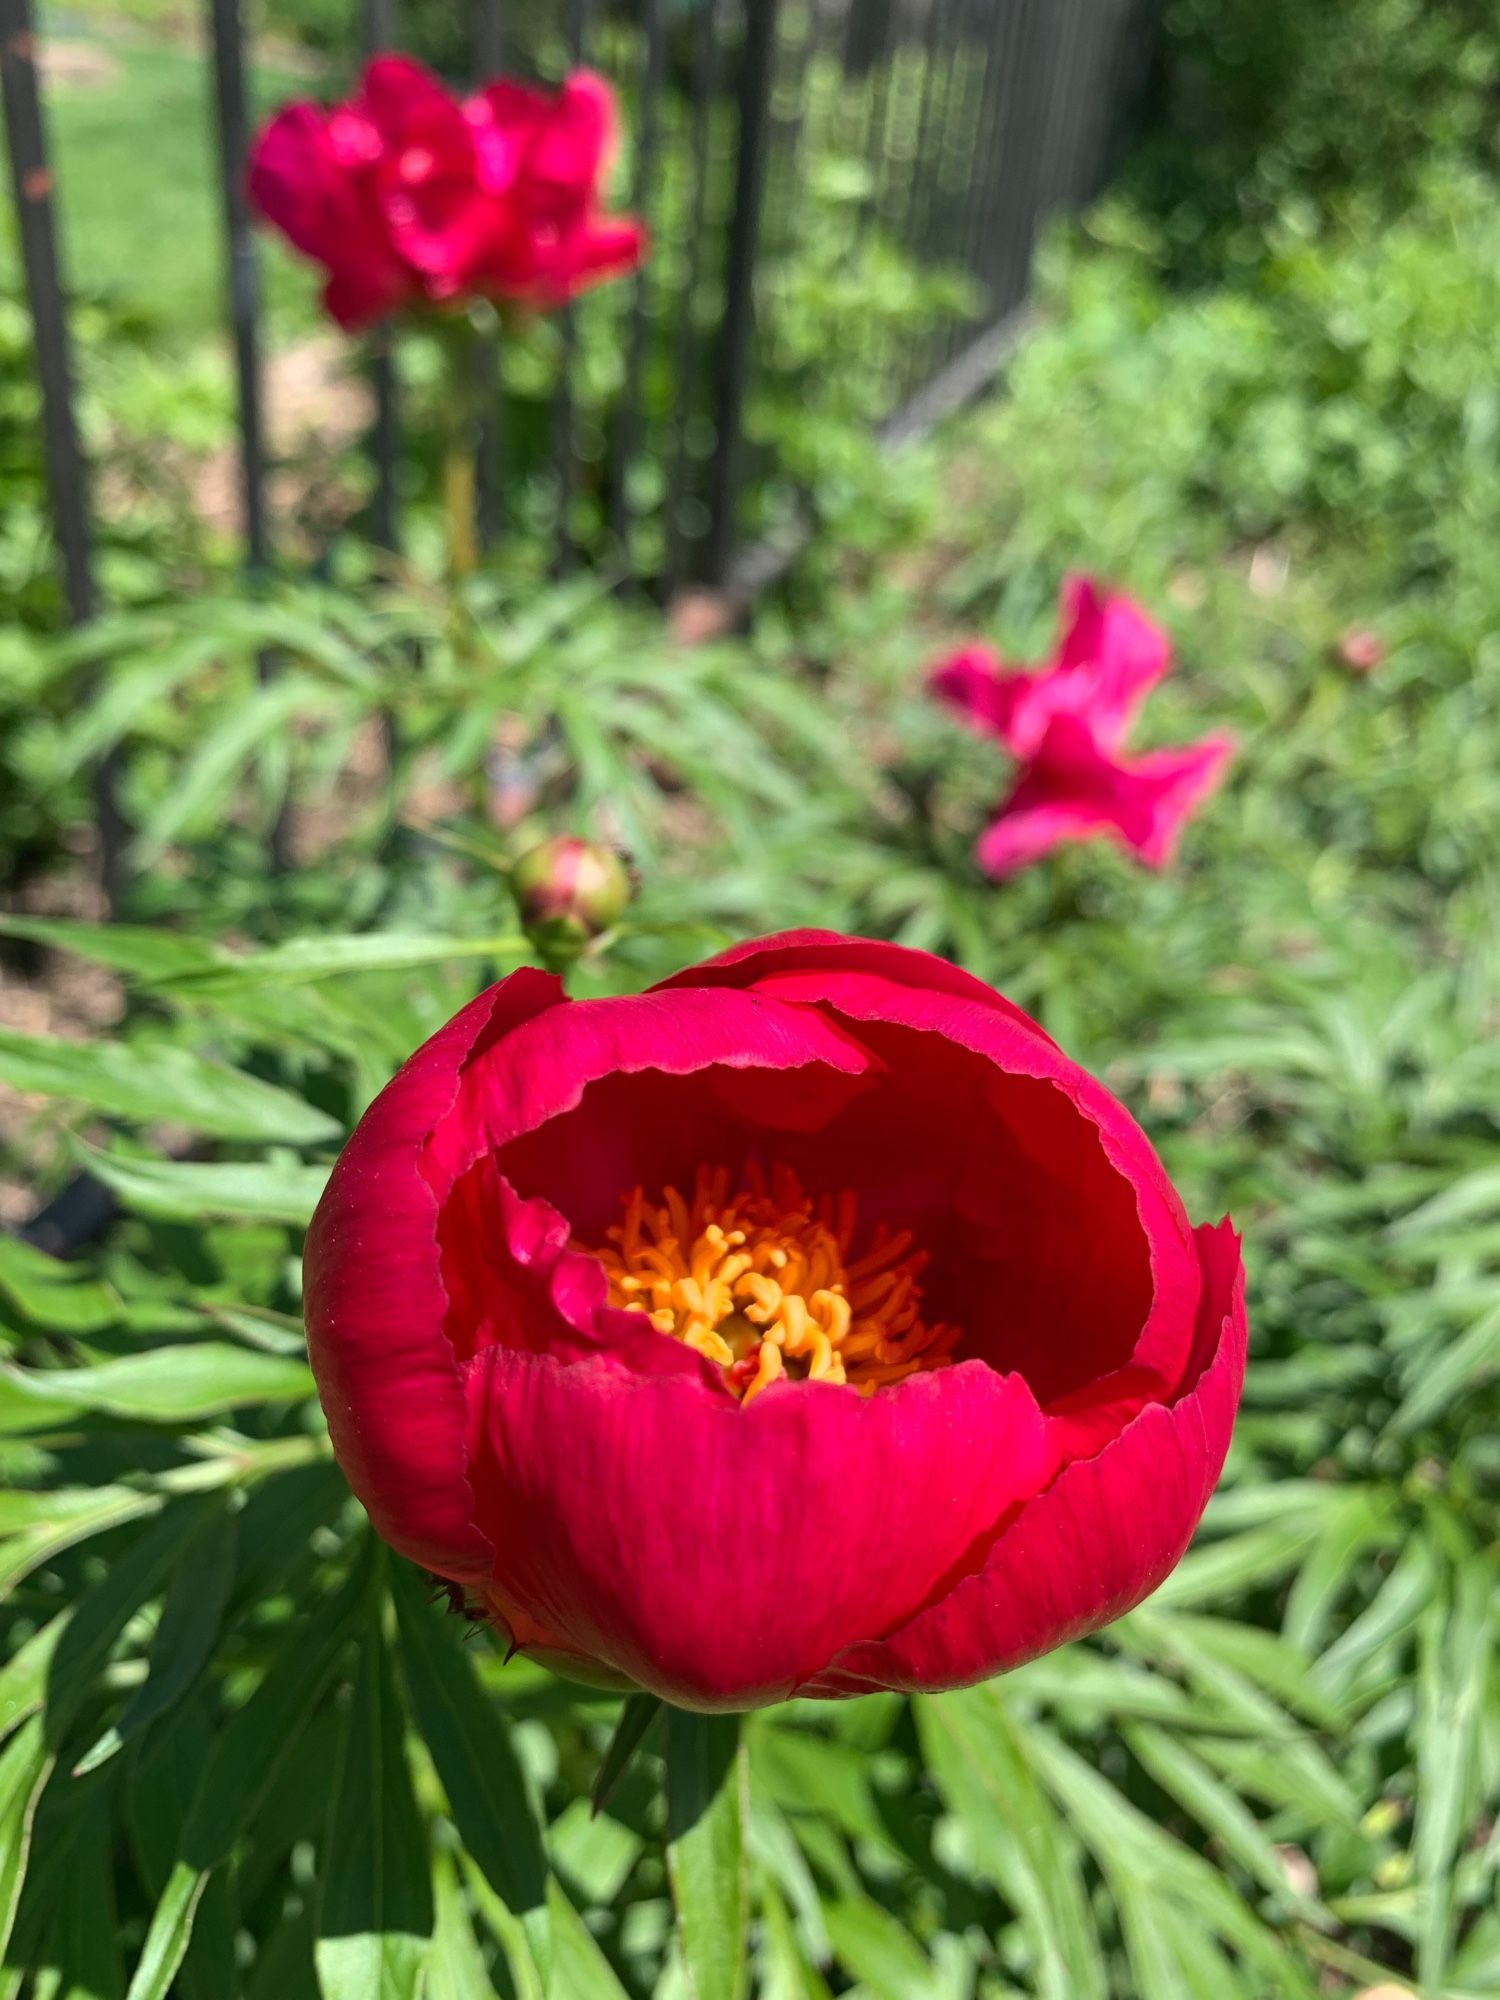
(603, 247)
(1111, 652)
(1172, 784)
(1102, 1536)
(534, 1077)
(746, 963)
(573, 146)
(980, 690)
(299, 181)
(719, 1554)
(292, 179)
(1058, 1237)
(394, 90)
(374, 1302)
(1074, 789)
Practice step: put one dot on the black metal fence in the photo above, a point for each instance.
(843, 196)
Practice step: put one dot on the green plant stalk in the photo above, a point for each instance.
(461, 415)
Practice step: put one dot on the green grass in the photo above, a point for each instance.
(136, 168)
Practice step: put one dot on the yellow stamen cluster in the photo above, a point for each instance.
(762, 1283)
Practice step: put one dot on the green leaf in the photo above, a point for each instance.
(207, 776)
(885, 1959)
(1216, 1808)
(375, 1918)
(1389, 1616)
(164, 1385)
(129, 688)
(783, 1972)
(190, 1616)
(471, 1749)
(455, 1966)
(1143, 1863)
(1454, 1659)
(241, 1767)
(45, 1524)
(58, 1664)
(307, 959)
(1455, 1370)
(170, 1933)
(592, 1853)
(636, 1717)
(707, 1780)
(976, 1754)
(519, 1958)
(86, 1929)
(135, 948)
(579, 1968)
(63, 1298)
(1216, 1570)
(147, 1084)
(189, 1190)
(25, 1765)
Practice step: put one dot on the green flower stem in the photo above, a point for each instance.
(462, 433)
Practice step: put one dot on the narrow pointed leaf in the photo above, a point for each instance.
(706, 1861)
(184, 1639)
(636, 1718)
(470, 1746)
(149, 1083)
(375, 1920)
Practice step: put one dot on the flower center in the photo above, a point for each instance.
(762, 1283)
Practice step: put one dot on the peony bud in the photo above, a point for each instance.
(1361, 651)
(569, 891)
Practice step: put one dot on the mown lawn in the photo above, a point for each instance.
(131, 120)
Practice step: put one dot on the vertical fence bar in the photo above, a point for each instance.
(67, 474)
(737, 330)
(244, 311)
(377, 31)
(648, 119)
(564, 454)
(1019, 157)
(685, 374)
(489, 60)
(1003, 192)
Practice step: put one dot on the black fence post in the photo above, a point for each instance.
(628, 435)
(564, 446)
(67, 474)
(377, 27)
(244, 313)
(756, 65)
(686, 356)
(489, 61)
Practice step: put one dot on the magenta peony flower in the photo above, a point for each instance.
(1067, 724)
(806, 1325)
(408, 195)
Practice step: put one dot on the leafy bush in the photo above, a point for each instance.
(1277, 114)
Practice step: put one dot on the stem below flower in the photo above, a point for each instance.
(458, 500)
(461, 444)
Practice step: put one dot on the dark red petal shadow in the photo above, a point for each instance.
(1012, 1143)
(1100, 1538)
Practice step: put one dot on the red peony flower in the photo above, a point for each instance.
(1109, 657)
(806, 1325)
(408, 195)
(1072, 789)
(548, 157)
(1067, 724)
